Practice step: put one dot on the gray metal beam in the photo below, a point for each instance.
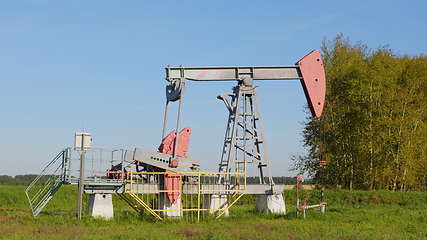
(233, 73)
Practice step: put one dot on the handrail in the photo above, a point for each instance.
(54, 178)
(44, 169)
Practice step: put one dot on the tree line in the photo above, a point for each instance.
(277, 180)
(373, 132)
(17, 180)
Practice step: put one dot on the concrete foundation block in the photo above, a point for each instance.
(101, 205)
(214, 202)
(271, 203)
(173, 210)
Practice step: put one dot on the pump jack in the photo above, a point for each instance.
(245, 140)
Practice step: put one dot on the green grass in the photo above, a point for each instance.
(351, 215)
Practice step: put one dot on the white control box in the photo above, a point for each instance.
(82, 141)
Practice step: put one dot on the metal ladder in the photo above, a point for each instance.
(244, 136)
(48, 182)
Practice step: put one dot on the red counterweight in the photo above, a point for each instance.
(173, 184)
(314, 81)
(168, 143)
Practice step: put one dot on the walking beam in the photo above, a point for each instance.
(309, 70)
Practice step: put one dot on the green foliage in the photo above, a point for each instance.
(373, 132)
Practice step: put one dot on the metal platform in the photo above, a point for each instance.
(64, 169)
(253, 189)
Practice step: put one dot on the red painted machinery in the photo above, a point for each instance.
(115, 172)
(168, 143)
(173, 180)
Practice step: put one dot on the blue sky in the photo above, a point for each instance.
(98, 66)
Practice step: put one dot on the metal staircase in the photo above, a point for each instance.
(48, 182)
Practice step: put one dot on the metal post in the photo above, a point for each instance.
(63, 166)
(165, 119)
(181, 99)
(322, 206)
(297, 202)
(234, 129)
(123, 167)
(265, 145)
(198, 197)
(81, 185)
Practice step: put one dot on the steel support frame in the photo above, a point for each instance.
(244, 140)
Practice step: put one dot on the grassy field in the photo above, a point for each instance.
(351, 215)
